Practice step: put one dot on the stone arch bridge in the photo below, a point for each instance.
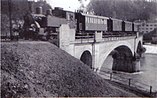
(94, 51)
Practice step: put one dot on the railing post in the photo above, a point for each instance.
(150, 89)
(88, 38)
(129, 82)
(110, 76)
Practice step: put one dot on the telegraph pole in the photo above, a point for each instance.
(10, 20)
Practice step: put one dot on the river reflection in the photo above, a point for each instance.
(147, 74)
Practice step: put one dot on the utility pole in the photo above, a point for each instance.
(10, 20)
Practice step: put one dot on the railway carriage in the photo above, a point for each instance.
(128, 26)
(90, 23)
(135, 27)
(114, 25)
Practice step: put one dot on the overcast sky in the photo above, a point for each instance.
(70, 5)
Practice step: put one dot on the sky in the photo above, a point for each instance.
(70, 5)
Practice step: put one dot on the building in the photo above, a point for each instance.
(146, 27)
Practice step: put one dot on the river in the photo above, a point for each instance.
(148, 72)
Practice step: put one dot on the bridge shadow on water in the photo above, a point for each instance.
(128, 80)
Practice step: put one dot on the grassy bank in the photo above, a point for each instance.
(32, 69)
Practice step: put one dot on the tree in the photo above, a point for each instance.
(18, 9)
(124, 9)
(4, 25)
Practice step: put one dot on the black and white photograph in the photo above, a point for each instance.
(78, 48)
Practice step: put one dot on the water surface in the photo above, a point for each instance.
(147, 75)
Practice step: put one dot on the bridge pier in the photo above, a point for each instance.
(67, 36)
(125, 62)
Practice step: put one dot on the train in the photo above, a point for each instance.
(90, 23)
(47, 25)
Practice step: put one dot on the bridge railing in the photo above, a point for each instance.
(117, 38)
(142, 87)
(84, 39)
(91, 38)
(118, 34)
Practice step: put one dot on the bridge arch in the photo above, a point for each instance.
(120, 46)
(121, 59)
(86, 58)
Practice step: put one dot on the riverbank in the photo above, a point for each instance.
(38, 69)
(121, 79)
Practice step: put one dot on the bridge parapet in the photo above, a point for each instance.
(99, 37)
(91, 40)
(118, 38)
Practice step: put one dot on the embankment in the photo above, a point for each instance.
(33, 69)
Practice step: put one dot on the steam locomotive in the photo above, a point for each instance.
(40, 25)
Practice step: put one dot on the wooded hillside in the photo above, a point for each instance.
(124, 9)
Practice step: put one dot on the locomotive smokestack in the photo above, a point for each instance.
(49, 12)
(39, 10)
(58, 8)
